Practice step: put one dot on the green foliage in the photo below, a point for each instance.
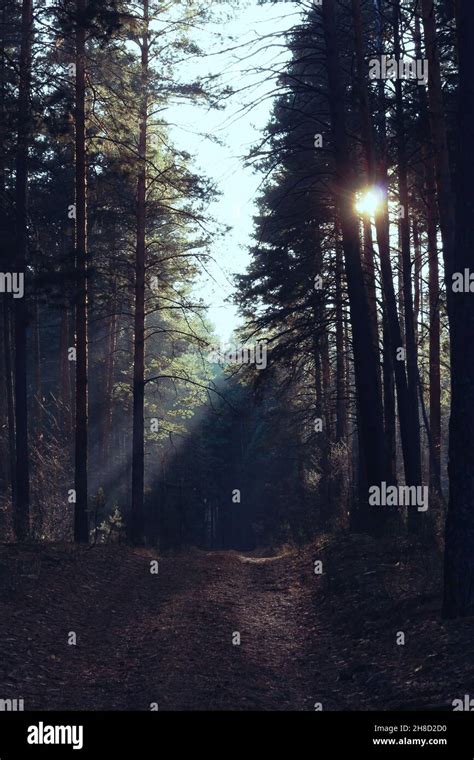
(112, 529)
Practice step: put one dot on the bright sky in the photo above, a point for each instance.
(238, 131)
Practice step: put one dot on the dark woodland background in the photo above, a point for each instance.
(119, 431)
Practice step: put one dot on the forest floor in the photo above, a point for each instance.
(167, 638)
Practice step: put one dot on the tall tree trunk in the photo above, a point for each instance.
(369, 156)
(22, 474)
(369, 276)
(38, 402)
(72, 369)
(321, 383)
(81, 527)
(366, 363)
(433, 283)
(389, 403)
(417, 278)
(446, 200)
(138, 441)
(411, 355)
(64, 374)
(109, 380)
(434, 324)
(5, 473)
(459, 557)
(410, 449)
(322, 447)
(341, 389)
(9, 398)
(6, 249)
(326, 372)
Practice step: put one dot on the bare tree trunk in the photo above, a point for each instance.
(81, 527)
(5, 473)
(369, 156)
(411, 356)
(389, 404)
(369, 276)
(433, 285)
(138, 442)
(341, 389)
(434, 323)
(109, 379)
(72, 368)
(321, 383)
(9, 398)
(38, 416)
(400, 304)
(417, 278)
(459, 556)
(393, 336)
(6, 248)
(440, 142)
(22, 474)
(326, 372)
(64, 374)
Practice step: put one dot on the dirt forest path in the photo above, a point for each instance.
(165, 638)
(168, 639)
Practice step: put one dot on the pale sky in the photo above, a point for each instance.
(239, 131)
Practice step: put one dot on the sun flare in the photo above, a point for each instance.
(369, 201)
